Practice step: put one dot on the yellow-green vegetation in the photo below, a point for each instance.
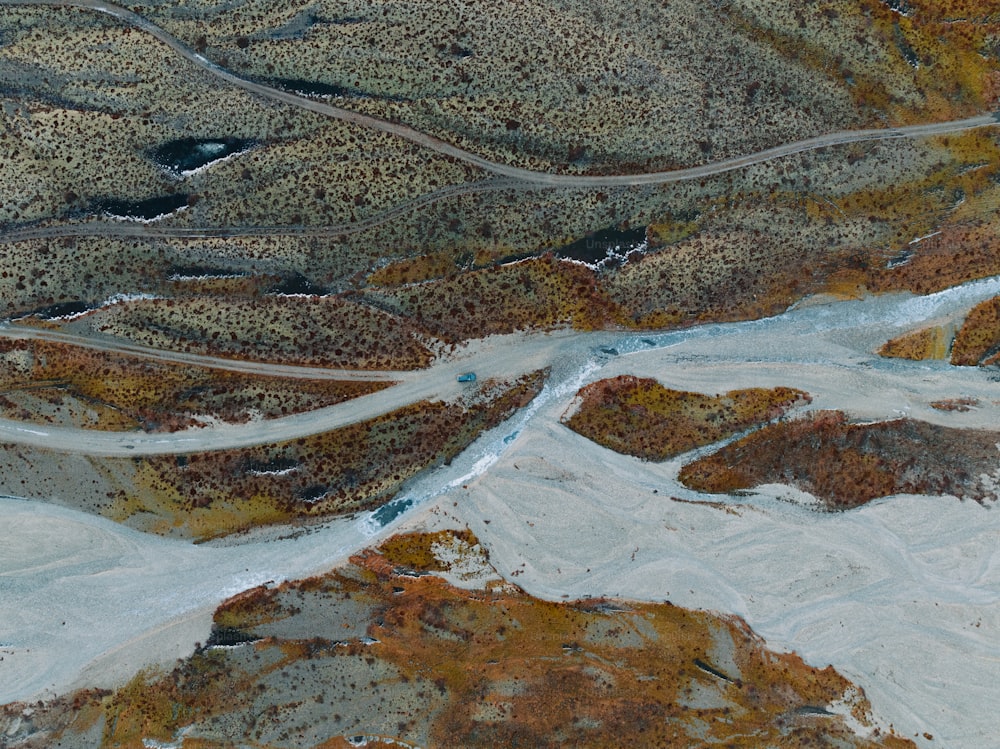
(313, 330)
(417, 551)
(978, 340)
(920, 345)
(415, 270)
(366, 651)
(61, 384)
(944, 225)
(669, 229)
(539, 293)
(845, 465)
(641, 417)
(357, 467)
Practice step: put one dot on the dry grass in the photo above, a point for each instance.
(927, 61)
(718, 276)
(845, 465)
(978, 340)
(762, 239)
(538, 293)
(353, 468)
(920, 345)
(83, 130)
(57, 383)
(959, 253)
(320, 331)
(620, 86)
(643, 418)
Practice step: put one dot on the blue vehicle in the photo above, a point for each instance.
(467, 377)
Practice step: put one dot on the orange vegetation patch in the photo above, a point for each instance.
(356, 467)
(920, 345)
(125, 392)
(747, 272)
(962, 405)
(957, 254)
(423, 663)
(888, 57)
(765, 248)
(539, 293)
(845, 465)
(325, 331)
(643, 418)
(416, 269)
(978, 340)
(946, 50)
(949, 209)
(972, 11)
(416, 551)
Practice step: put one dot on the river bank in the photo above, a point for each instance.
(902, 595)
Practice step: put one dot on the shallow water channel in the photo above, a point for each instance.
(74, 586)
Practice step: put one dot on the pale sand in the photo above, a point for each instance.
(901, 596)
(88, 603)
(159, 647)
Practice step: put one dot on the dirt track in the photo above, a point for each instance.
(504, 170)
(502, 357)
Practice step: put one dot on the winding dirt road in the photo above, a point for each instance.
(833, 344)
(501, 357)
(504, 170)
(123, 228)
(506, 177)
(118, 346)
(504, 358)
